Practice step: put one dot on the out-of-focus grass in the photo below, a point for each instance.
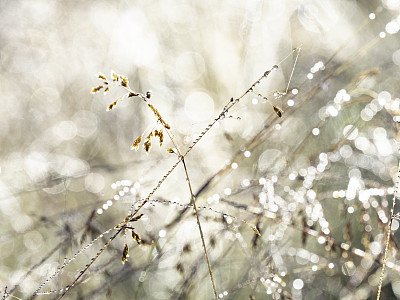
(318, 190)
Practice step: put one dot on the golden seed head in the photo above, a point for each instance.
(114, 76)
(96, 89)
(124, 80)
(150, 135)
(136, 143)
(147, 145)
(136, 237)
(101, 76)
(255, 230)
(125, 253)
(160, 135)
(111, 106)
(137, 218)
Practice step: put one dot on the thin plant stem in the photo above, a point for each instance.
(91, 262)
(193, 200)
(389, 231)
(294, 66)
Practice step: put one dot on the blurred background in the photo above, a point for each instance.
(318, 183)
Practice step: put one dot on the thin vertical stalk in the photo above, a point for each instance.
(389, 231)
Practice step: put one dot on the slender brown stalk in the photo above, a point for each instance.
(193, 200)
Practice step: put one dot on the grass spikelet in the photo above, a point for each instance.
(96, 89)
(136, 143)
(125, 253)
(136, 237)
(160, 135)
(132, 94)
(147, 143)
(255, 230)
(114, 76)
(124, 81)
(111, 106)
(101, 76)
(278, 111)
(158, 115)
(137, 218)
